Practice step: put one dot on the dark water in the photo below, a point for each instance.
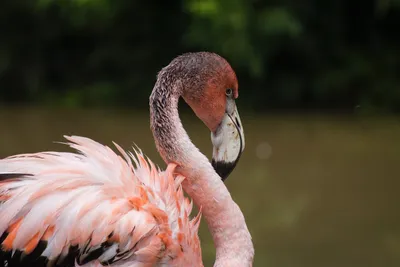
(316, 191)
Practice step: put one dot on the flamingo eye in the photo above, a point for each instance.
(229, 92)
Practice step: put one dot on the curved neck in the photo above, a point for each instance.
(224, 218)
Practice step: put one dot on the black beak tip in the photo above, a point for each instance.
(223, 168)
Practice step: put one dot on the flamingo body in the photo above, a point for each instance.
(97, 208)
(94, 208)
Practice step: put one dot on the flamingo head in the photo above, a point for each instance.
(210, 89)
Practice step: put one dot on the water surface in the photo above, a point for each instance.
(316, 190)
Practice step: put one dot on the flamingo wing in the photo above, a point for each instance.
(94, 208)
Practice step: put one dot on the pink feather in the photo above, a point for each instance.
(96, 196)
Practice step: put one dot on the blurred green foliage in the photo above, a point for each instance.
(310, 54)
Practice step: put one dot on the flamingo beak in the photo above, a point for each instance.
(228, 142)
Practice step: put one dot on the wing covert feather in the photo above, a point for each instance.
(94, 208)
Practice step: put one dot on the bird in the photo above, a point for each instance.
(99, 207)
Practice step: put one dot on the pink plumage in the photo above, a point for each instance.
(97, 205)
(97, 208)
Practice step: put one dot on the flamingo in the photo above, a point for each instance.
(94, 207)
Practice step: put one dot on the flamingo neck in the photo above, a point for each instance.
(224, 218)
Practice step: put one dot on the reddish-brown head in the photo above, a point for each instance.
(208, 80)
(210, 87)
